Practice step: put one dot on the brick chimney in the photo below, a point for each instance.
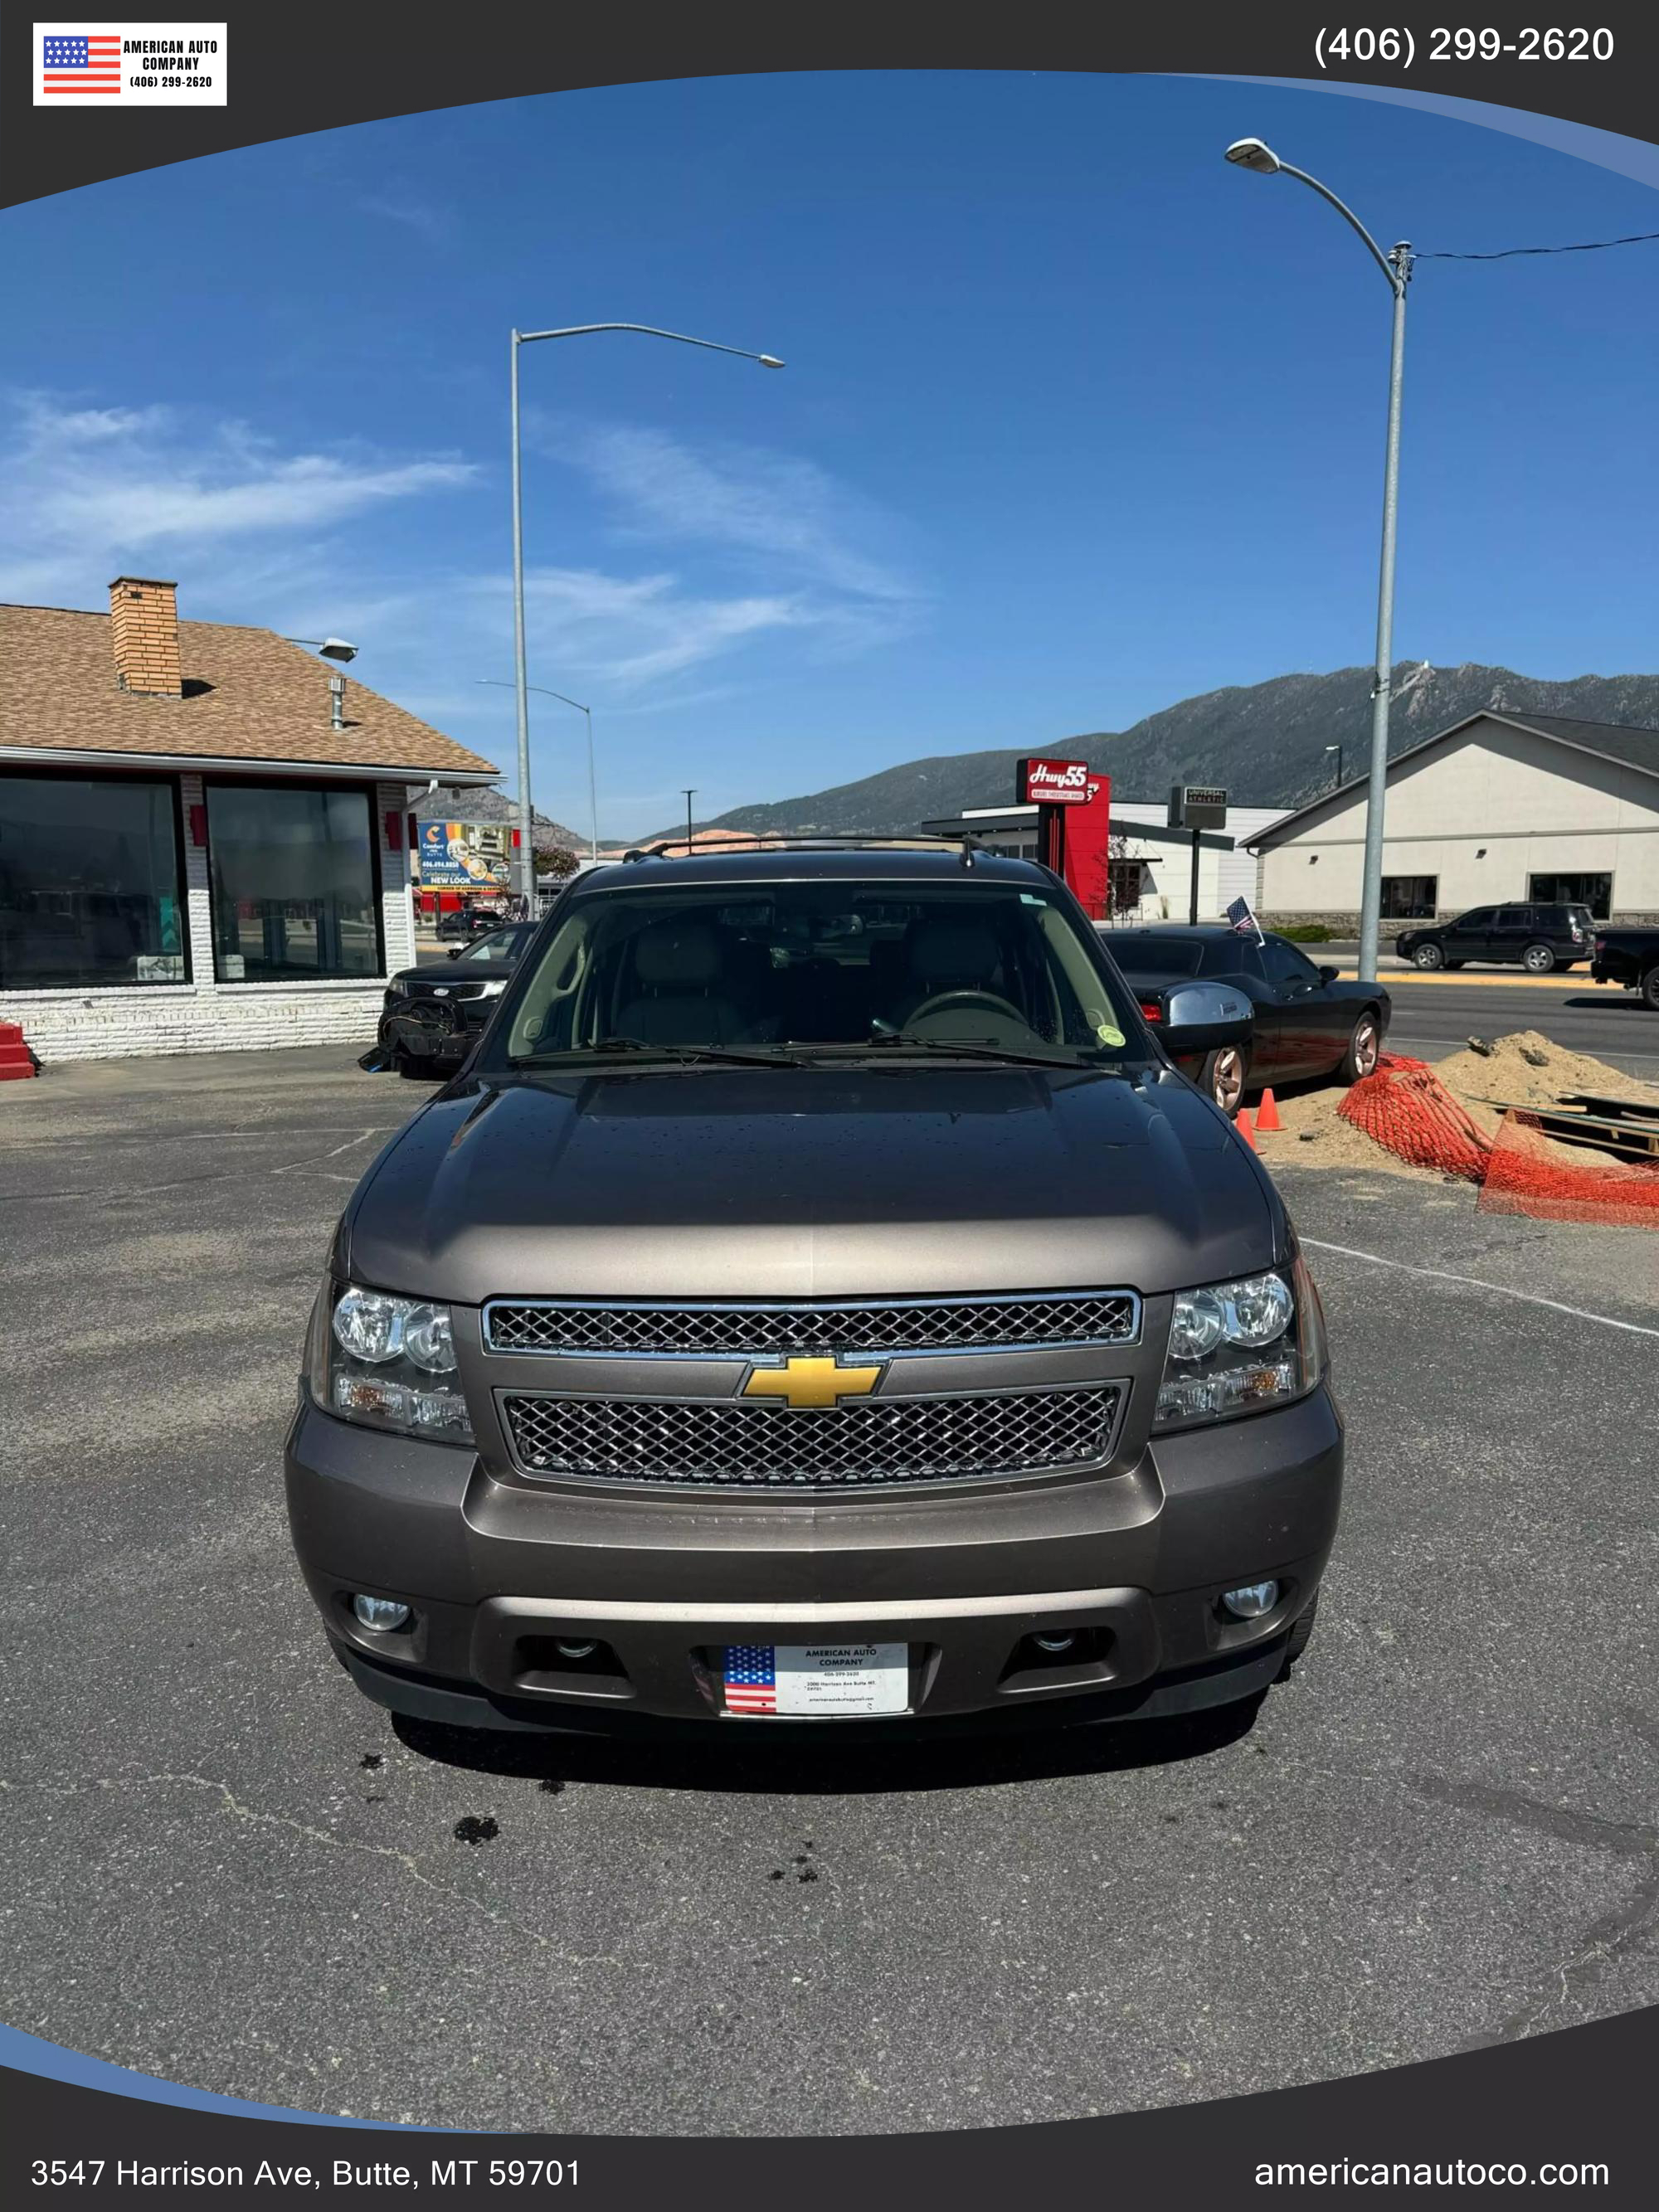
(143, 617)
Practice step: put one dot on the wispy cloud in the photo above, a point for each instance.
(803, 552)
(436, 223)
(83, 488)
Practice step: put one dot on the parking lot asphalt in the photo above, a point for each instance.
(218, 1865)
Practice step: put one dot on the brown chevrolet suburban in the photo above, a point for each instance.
(818, 1298)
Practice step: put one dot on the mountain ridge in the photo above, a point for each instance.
(1266, 743)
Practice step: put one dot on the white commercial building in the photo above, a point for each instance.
(1500, 809)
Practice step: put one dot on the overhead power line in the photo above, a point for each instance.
(1594, 246)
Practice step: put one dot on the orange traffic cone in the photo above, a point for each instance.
(1266, 1114)
(1241, 1123)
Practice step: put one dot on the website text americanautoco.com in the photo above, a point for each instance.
(1427, 2173)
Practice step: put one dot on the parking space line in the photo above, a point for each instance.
(1474, 1283)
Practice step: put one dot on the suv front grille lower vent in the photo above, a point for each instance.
(716, 1442)
(752, 1331)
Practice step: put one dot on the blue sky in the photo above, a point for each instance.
(1078, 420)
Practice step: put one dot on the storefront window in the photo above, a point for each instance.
(89, 889)
(293, 884)
(1589, 888)
(1409, 898)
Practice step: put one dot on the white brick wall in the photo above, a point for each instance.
(206, 1016)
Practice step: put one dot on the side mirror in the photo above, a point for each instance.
(1200, 1017)
(456, 950)
(1328, 974)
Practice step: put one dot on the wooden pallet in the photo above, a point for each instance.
(1632, 1138)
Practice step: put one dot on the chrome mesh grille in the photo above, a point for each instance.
(752, 1331)
(720, 1441)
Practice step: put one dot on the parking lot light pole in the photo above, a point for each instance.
(527, 858)
(1396, 267)
(592, 788)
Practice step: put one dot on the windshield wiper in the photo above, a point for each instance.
(680, 1054)
(974, 1048)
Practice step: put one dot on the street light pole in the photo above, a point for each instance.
(1397, 268)
(527, 858)
(592, 789)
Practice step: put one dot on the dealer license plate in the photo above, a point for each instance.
(817, 1680)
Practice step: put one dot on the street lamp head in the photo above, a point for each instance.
(1252, 154)
(769, 360)
(336, 648)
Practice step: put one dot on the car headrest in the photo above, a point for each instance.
(951, 951)
(685, 954)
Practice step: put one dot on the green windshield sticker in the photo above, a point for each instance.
(1107, 1033)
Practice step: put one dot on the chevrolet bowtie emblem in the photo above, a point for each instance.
(803, 1384)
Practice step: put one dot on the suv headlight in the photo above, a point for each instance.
(386, 1362)
(1235, 1347)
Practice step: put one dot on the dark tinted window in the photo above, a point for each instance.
(1284, 966)
(293, 872)
(1514, 917)
(90, 891)
(821, 962)
(1477, 917)
(1153, 955)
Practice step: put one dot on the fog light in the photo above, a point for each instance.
(1251, 1599)
(381, 1613)
(575, 1651)
(1055, 1640)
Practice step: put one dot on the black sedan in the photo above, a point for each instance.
(433, 1013)
(1307, 1021)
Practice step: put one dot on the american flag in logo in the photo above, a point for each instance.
(81, 63)
(752, 1679)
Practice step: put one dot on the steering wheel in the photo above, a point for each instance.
(941, 999)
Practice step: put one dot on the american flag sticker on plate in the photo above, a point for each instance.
(816, 1679)
(93, 62)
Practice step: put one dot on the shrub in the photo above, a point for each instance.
(1307, 932)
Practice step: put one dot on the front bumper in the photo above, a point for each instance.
(498, 1572)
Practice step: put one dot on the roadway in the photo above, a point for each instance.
(1433, 1016)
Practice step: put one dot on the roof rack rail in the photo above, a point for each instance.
(828, 841)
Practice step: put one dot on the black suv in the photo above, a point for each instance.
(1538, 938)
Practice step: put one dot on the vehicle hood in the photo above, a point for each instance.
(811, 1182)
(426, 973)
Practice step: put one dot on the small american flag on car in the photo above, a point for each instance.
(1243, 921)
(88, 61)
(752, 1679)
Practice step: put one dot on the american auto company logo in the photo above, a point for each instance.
(816, 1385)
(93, 63)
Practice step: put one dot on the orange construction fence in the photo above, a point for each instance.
(1405, 1108)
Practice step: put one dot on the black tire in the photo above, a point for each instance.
(1296, 1642)
(1538, 960)
(414, 1071)
(1454, 964)
(1650, 989)
(1429, 956)
(1364, 1047)
(1224, 1076)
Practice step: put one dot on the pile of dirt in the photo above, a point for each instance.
(1315, 1135)
(1526, 1068)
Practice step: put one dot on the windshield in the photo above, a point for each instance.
(798, 968)
(500, 945)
